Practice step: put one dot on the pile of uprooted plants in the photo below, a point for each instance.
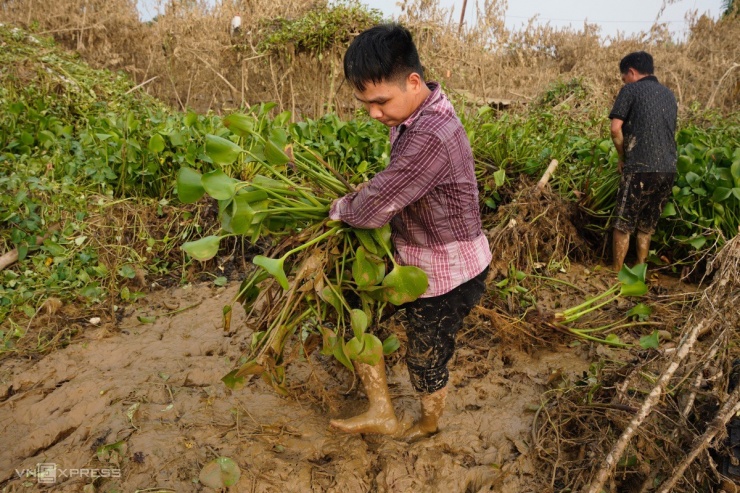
(662, 419)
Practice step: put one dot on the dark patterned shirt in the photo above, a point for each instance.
(648, 110)
(429, 194)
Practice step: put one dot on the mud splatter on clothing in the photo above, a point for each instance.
(640, 201)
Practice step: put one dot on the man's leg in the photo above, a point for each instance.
(620, 246)
(380, 417)
(432, 326)
(643, 246)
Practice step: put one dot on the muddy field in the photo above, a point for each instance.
(142, 405)
(152, 392)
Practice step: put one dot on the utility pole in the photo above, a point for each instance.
(462, 17)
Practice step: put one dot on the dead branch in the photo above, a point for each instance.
(616, 453)
(729, 409)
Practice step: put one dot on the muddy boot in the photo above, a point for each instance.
(432, 407)
(620, 245)
(380, 417)
(643, 247)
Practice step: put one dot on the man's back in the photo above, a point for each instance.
(649, 112)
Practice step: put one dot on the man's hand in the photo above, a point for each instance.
(361, 186)
(620, 166)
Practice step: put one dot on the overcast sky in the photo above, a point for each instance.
(627, 16)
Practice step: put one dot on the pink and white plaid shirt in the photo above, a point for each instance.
(429, 194)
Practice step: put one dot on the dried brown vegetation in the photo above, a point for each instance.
(188, 58)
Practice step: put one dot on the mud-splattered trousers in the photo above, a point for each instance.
(640, 201)
(432, 325)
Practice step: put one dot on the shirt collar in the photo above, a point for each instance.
(648, 77)
(432, 98)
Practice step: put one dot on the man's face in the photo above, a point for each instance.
(391, 103)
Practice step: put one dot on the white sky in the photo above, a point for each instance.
(627, 16)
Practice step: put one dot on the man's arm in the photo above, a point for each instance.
(618, 139)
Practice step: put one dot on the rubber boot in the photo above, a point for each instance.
(620, 245)
(380, 417)
(643, 247)
(432, 407)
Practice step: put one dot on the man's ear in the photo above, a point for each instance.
(414, 82)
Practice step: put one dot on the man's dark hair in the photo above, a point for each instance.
(382, 53)
(642, 61)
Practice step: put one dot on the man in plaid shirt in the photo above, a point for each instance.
(429, 195)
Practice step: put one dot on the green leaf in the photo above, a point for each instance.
(613, 339)
(203, 249)
(242, 215)
(641, 311)
(366, 270)
(697, 242)
(146, 320)
(156, 144)
(382, 237)
(637, 288)
(220, 473)
(359, 322)
(219, 185)
(391, 344)
(669, 210)
(635, 274)
(341, 355)
(499, 177)
(240, 124)
(650, 342)
(221, 151)
(736, 191)
(220, 281)
(405, 283)
(721, 194)
(189, 186)
(190, 118)
(274, 267)
(328, 295)
(232, 381)
(366, 240)
(274, 155)
(372, 350)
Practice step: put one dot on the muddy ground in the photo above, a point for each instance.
(143, 405)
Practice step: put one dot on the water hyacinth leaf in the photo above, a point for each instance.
(365, 271)
(220, 473)
(329, 340)
(156, 144)
(499, 177)
(391, 344)
(614, 340)
(366, 240)
(736, 191)
(203, 249)
(222, 151)
(721, 194)
(382, 236)
(697, 242)
(189, 186)
(372, 350)
(359, 322)
(232, 381)
(242, 215)
(735, 170)
(641, 311)
(329, 295)
(637, 288)
(251, 367)
(240, 124)
(405, 283)
(274, 155)
(650, 342)
(353, 348)
(635, 274)
(669, 210)
(219, 185)
(273, 266)
(340, 354)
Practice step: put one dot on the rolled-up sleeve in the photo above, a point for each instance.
(417, 168)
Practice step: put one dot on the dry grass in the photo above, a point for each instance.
(188, 59)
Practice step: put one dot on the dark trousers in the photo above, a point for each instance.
(432, 325)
